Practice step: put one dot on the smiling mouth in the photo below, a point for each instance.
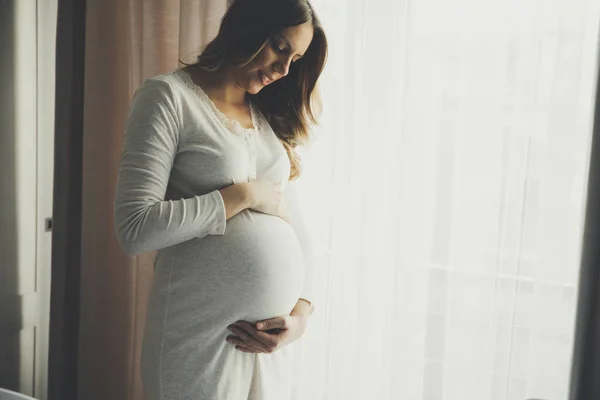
(264, 78)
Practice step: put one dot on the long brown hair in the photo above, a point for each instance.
(291, 105)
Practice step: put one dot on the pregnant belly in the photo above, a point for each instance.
(254, 271)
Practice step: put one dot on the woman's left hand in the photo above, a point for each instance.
(268, 335)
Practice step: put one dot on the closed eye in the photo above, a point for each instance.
(283, 48)
(277, 47)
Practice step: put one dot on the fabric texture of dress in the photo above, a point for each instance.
(178, 151)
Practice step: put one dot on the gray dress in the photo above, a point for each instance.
(178, 150)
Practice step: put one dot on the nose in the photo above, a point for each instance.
(283, 66)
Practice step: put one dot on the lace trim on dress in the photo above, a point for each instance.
(232, 126)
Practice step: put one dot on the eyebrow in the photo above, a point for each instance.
(289, 44)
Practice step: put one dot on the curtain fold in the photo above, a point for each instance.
(586, 354)
(66, 205)
(126, 42)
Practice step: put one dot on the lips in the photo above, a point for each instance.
(264, 78)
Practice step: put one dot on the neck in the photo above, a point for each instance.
(220, 86)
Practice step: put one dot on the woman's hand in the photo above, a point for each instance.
(267, 197)
(268, 335)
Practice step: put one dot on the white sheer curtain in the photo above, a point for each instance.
(446, 194)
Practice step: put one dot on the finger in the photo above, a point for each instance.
(266, 338)
(239, 343)
(250, 350)
(247, 338)
(273, 323)
(236, 340)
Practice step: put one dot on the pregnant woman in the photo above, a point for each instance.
(206, 178)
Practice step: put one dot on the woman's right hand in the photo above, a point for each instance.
(267, 197)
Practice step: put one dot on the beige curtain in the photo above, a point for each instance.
(126, 42)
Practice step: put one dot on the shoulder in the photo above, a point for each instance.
(160, 93)
(157, 87)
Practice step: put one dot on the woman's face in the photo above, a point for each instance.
(275, 59)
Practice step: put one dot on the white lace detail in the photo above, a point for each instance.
(232, 126)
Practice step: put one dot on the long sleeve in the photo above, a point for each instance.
(296, 220)
(144, 221)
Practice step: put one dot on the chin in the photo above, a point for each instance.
(254, 88)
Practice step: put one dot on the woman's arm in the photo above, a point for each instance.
(144, 221)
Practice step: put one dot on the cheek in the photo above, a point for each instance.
(251, 71)
(265, 58)
(245, 76)
(249, 75)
